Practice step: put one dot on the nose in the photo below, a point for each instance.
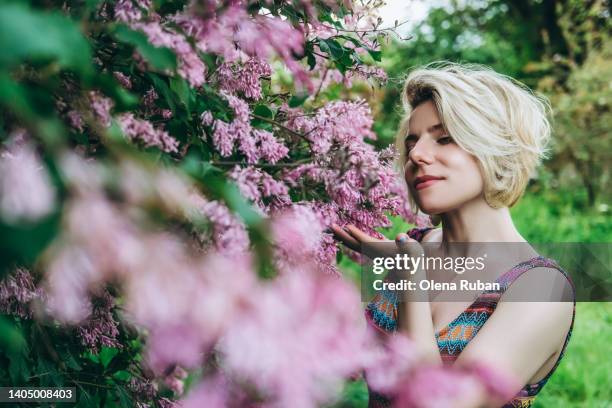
(421, 153)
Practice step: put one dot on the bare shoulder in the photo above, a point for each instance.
(541, 284)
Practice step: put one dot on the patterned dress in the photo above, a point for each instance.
(381, 312)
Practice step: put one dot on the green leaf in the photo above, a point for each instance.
(297, 100)
(124, 398)
(376, 55)
(29, 35)
(182, 90)
(334, 47)
(19, 366)
(264, 111)
(160, 58)
(122, 375)
(107, 354)
(11, 338)
(163, 89)
(23, 243)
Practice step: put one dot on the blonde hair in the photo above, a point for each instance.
(491, 116)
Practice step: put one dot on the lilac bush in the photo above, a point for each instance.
(168, 173)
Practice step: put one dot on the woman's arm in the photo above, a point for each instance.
(520, 337)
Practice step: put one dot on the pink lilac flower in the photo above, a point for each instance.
(190, 66)
(17, 290)
(297, 235)
(301, 338)
(244, 78)
(144, 390)
(226, 134)
(129, 11)
(101, 107)
(143, 131)
(256, 36)
(433, 387)
(175, 381)
(101, 328)
(26, 192)
(255, 144)
(393, 360)
(174, 344)
(255, 184)
(123, 79)
(269, 147)
(229, 234)
(68, 278)
(75, 120)
(212, 392)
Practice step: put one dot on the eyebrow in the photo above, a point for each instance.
(431, 129)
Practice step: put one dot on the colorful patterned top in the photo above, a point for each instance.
(381, 312)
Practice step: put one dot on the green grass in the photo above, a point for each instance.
(584, 376)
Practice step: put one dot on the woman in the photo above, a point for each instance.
(469, 142)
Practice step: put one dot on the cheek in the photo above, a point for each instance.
(464, 169)
(461, 162)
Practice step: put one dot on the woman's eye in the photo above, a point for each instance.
(444, 140)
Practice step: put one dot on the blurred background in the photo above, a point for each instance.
(563, 50)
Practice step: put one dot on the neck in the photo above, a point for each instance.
(476, 221)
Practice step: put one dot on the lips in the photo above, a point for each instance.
(426, 181)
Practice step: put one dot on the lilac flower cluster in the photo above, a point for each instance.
(101, 328)
(142, 130)
(190, 66)
(245, 78)
(17, 291)
(255, 144)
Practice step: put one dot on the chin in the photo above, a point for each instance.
(431, 208)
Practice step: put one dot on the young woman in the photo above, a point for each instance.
(469, 142)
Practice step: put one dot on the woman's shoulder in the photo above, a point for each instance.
(540, 279)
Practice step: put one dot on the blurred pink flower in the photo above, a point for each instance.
(101, 107)
(26, 192)
(301, 338)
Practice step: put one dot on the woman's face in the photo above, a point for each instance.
(441, 176)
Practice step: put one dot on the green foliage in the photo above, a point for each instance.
(43, 37)
(160, 58)
(563, 52)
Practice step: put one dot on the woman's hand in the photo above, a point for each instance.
(359, 241)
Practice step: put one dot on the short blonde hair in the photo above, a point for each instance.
(491, 116)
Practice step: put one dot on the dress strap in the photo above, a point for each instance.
(418, 233)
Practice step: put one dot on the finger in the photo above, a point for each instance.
(358, 234)
(405, 244)
(344, 236)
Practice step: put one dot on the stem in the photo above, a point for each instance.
(372, 30)
(92, 384)
(280, 126)
(321, 83)
(262, 165)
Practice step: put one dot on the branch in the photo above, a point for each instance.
(280, 126)
(296, 163)
(372, 30)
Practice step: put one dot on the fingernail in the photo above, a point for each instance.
(403, 239)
